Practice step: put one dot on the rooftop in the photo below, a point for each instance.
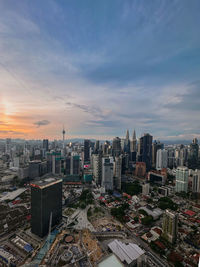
(126, 252)
(46, 182)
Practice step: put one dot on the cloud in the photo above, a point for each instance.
(42, 123)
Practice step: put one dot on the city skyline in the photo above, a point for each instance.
(99, 68)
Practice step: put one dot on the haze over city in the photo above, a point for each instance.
(98, 68)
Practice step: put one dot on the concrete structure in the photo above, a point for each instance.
(107, 173)
(130, 254)
(182, 179)
(170, 225)
(161, 159)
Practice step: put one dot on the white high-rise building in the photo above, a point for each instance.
(107, 173)
(161, 159)
(97, 167)
(182, 179)
(170, 225)
(196, 182)
(118, 172)
(145, 189)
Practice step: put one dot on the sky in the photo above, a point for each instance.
(99, 67)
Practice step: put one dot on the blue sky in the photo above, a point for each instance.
(100, 67)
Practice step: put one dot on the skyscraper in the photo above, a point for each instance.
(182, 179)
(116, 146)
(107, 173)
(161, 159)
(170, 225)
(63, 133)
(97, 167)
(145, 153)
(45, 144)
(46, 202)
(194, 151)
(127, 143)
(196, 182)
(75, 165)
(133, 143)
(155, 147)
(86, 150)
(118, 172)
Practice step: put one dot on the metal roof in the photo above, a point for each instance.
(126, 252)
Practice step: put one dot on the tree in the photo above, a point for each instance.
(147, 220)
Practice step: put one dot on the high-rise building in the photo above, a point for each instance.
(46, 203)
(182, 179)
(170, 225)
(75, 165)
(194, 150)
(133, 145)
(196, 182)
(86, 151)
(118, 172)
(171, 158)
(145, 189)
(133, 148)
(145, 153)
(161, 159)
(140, 169)
(155, 147)
(45, 144)
(97, 168)
(107, 173)
(97, 146)
(116, 146)
(8, 146)
(127, 143)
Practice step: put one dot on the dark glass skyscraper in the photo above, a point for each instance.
(145, 153)
(86, 150)
(45, 144)
(46, 199)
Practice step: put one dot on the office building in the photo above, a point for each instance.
(86, 151)
(74, 165)
(182, 179)
(127, 143)
(140, 169)
(155, 147)
(145, 153)
(133, 144)
(116, 146)
(107, 173)
(45, 144)
(46, 203)
(170, 225)
(118, 172)
(161, 159)
(196, 182)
